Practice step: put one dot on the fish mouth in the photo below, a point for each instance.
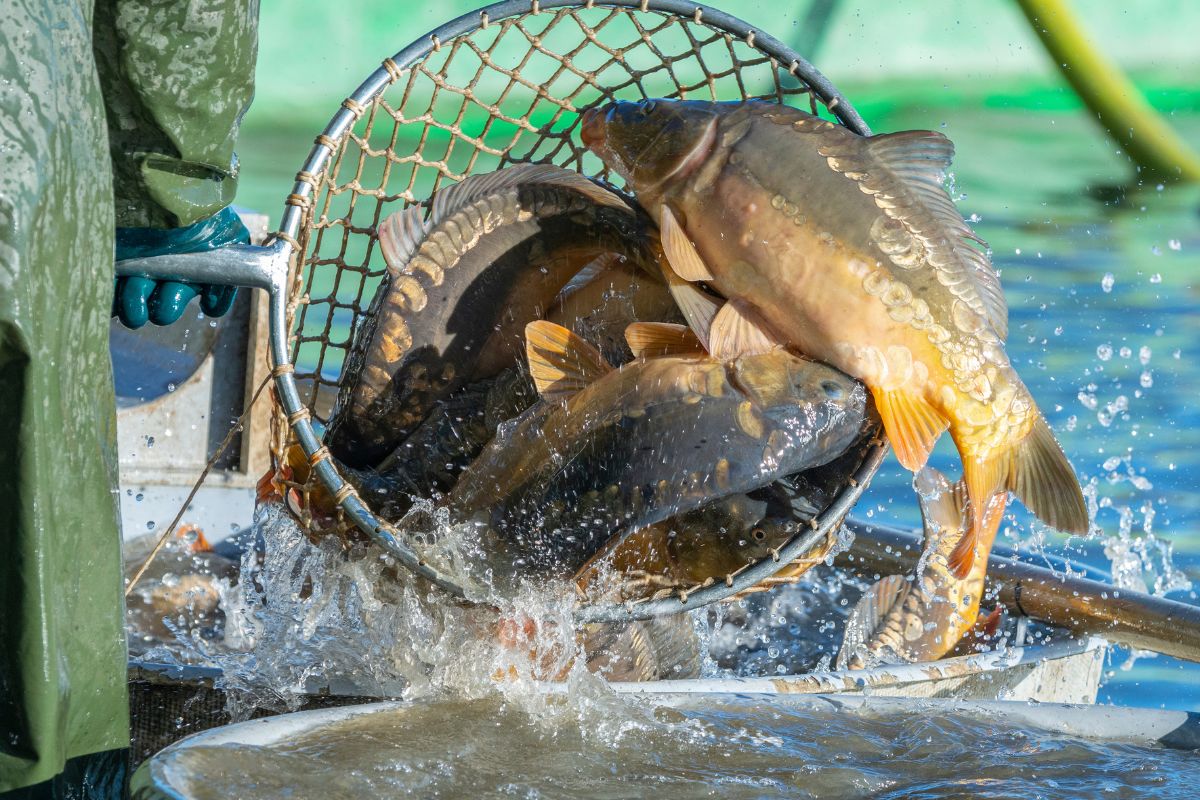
(592, 128)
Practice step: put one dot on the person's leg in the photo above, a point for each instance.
(62, 648)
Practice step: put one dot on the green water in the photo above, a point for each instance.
(1101, 283)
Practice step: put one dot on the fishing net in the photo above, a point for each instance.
(501, 86)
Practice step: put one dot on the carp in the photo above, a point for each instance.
(463, 278)
(607, 451)
(923, 616)
(849, 249)
(705, 543)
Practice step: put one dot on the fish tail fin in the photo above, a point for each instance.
(1036, 470)
(912, 425)
(867, 617)
(1040, 475)
(983, 491)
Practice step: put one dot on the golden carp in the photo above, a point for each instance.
(608, 451)
(923, 616)
(849, 249)
(493, 254)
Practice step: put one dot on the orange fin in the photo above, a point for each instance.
(560, 363)
(1040, 475)
(977, 541)
(991, 624)
(654, 339)
(735, 333)
(680, 251)
(912, 425)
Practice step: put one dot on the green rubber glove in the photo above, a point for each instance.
(139, 300)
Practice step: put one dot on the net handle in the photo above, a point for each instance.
(267, 268)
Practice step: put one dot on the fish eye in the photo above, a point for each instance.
(832, 390)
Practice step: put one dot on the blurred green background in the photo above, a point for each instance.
(1100, 272)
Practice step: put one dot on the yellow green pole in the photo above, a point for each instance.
(1140, 130)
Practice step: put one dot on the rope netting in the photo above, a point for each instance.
(510, 90)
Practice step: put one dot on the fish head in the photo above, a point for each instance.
(650, 142)
(778, 381)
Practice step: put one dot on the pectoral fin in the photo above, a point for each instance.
(698, 308)
(561, 363)
(912, 425)
(680, 251)
(654, 339)
(735, 333)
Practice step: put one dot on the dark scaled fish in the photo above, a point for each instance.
(921, 617)
(709, 542)
(608, 451)
(464, 277)
(849, 249)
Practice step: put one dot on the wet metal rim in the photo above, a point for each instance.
(303, 196)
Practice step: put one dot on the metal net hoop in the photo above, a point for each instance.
(503, 85)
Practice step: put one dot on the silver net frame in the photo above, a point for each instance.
(306, 222)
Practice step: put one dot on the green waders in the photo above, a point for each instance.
(146, 96)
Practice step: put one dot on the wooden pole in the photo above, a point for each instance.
(1127, 617)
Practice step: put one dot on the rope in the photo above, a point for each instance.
(221, 448)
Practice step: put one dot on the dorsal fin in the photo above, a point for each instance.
(654, 339)
(735, 332)
(681, 253)
(867, 616)
(561, 363)
(452, 198)
(400, 236)
(905, 172)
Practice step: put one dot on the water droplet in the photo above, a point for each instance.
(170, 387)
(170, 579)
(1156, 250)
(1156, 277)
(150, 525)
(149, 441)
(1106, 283)
(1147, 379)
(1104, 352)
(1126, 352)
(139, 497)
(1175, 244)
(1144, 354)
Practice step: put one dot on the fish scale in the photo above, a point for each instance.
(494, 253)
(849, 249)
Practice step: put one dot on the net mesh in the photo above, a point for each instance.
(510, 91)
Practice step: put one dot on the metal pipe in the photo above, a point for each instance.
(1128, 617)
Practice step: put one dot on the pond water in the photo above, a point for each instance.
(611, 747)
